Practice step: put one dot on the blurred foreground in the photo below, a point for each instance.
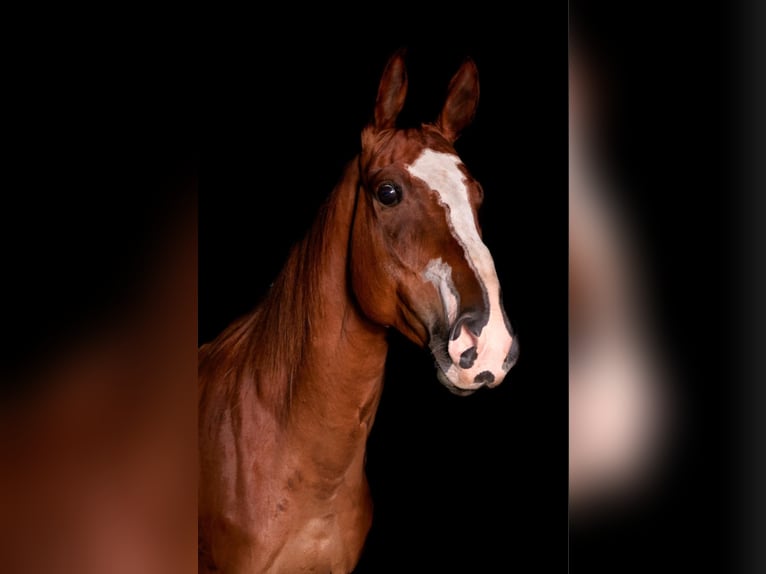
(666, 466)
(620, 416)
(98, 424)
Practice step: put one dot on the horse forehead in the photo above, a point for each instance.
(406, 145)
(443, 172)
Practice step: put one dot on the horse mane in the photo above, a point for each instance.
(267, 345)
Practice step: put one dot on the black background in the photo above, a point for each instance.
(476, 484)
(102, 153)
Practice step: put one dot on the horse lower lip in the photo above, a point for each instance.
(462, 392)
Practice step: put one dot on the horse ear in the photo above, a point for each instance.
(391, 92)
(462, 100)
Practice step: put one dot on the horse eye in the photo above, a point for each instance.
(389, 194)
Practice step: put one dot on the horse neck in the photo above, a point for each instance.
(319, 360)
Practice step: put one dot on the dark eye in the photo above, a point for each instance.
(389, 194)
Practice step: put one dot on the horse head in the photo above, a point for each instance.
(418, 262)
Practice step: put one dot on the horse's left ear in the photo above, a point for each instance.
(462, 100)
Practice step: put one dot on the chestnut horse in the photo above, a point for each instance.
(288, 393)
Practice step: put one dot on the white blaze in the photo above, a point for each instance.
(440, 274)
(441, 172)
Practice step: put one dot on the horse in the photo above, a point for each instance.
(289, 391)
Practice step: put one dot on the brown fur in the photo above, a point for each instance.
(288, 393)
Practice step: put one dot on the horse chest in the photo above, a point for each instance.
(317, 546)
(295, 518)
(326, 537)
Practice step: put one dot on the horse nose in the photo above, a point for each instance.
(484, 378)
(464, 338)
(483, 351)
(473, 322)
(513, 354)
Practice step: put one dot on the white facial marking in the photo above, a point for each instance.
(441, 172)
(440, 274)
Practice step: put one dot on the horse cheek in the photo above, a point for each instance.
(374, 287)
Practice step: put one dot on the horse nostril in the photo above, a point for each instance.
(468, 357)
(456, 327)
(473, 322)
(484, 378)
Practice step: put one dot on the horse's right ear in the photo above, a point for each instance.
(391, 92)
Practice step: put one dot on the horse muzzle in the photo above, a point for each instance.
(476, 355)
